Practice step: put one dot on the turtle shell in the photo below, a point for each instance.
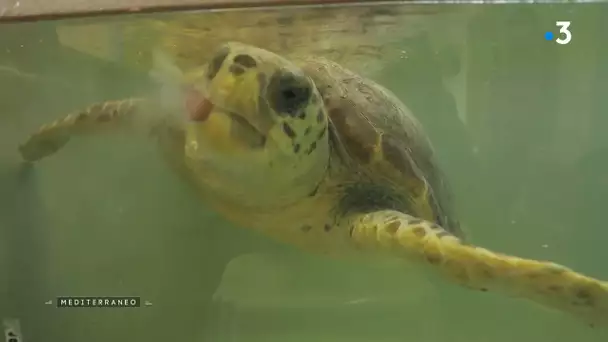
(382, 140)
(362, 37)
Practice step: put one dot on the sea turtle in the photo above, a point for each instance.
(314, 155)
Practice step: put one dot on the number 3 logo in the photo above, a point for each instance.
(563, 29)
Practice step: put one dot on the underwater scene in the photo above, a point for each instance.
(359, 172)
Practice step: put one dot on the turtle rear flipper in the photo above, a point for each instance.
(546, 283)
(98, 117)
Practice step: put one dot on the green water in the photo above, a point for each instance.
(518, 124)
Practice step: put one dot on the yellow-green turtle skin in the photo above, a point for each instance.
(311, 154)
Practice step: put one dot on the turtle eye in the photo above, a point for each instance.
(288, 93)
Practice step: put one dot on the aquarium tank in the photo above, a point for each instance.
(303, 170)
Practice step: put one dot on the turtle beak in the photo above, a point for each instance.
(227, 130)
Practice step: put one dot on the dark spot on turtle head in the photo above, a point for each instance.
(288, 93)
(307, 130)
(302, 115)
(554, 288)
(312, 147)
(483, 289)
(216, 62)
(236, 70)
(305, 228)
(327, 227)
(288, 130)
(296, 148)
(245, 60)
(322, 133)
(320, 116)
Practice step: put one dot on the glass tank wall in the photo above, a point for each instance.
(518, 122)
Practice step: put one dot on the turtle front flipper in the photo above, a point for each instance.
(98, 117)
(546, 283)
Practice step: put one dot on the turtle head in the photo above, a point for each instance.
(259, 127)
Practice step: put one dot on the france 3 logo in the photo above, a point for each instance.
(565, 35)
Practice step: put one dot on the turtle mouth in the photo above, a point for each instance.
(200, 108)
